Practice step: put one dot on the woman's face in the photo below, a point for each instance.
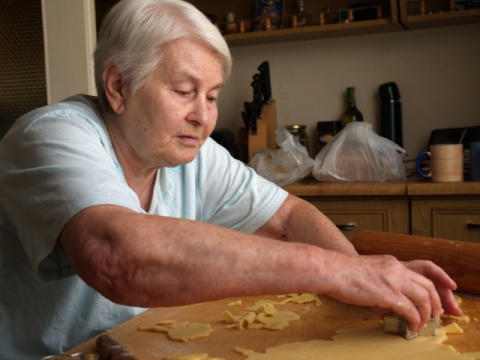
(168, 119)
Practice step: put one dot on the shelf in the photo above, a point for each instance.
(312, 32)
(424, 14)
(322, 19)
(397, 16)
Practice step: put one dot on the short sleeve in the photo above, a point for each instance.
(232, 194)
(62, 163)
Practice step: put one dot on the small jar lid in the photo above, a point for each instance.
(296, 127)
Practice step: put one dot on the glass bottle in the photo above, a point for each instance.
(352, 113)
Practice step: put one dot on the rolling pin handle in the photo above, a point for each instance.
(349, 226)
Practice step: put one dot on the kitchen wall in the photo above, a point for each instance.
(437, 71)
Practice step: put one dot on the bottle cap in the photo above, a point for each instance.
(351, 94)
(389, 92)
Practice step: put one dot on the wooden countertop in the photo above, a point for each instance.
(311, 187)
(318, 322)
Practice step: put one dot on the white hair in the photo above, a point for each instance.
(134, 32)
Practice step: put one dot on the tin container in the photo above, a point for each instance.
(326, 130)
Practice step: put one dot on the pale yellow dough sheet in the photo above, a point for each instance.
(367, 343)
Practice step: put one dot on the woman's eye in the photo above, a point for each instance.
(211, 99)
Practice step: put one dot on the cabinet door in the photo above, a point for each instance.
(351, 216)
(455, 219)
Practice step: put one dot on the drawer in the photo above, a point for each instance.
(447, 219)
(352, 216)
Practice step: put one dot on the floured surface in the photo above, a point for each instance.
(367, 343)
(317, 323)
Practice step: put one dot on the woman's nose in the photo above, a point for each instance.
(201, 112)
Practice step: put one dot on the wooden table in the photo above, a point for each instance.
(320, 322)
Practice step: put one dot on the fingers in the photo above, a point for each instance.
(449, 303)
(434, 272)
(418, 301)
(443, 284)
(415, 290)
(429, 293)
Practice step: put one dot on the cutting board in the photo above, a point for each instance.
(320, 322)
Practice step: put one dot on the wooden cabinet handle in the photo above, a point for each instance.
(472, 226)
(349, 226)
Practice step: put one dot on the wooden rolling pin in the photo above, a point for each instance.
(461, 260)
(109, 349)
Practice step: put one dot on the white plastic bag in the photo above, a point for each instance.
(357, 153)
(285, 165)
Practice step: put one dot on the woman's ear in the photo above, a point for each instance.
(114, 87)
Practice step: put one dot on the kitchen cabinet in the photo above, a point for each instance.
(441, 210)
(448, 211)
(353, 214)
(446, 217)
(325, 21)
(359, 206)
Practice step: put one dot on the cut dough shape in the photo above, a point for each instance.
(191, 357)
(189, 331)
(262, 315)
(182, 331)
(452, 328)
(235, 303)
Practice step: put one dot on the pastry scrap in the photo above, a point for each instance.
(452, 328)
(264, 315)
(181, 331)
(191, 357)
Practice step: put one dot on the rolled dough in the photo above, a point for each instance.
(368, 342)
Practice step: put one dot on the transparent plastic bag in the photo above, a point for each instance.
(358, 154)
(286, 165)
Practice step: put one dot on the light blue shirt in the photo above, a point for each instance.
(58, 160)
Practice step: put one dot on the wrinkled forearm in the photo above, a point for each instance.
(148, 261)
(300, 221)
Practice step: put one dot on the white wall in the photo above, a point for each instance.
(70, 37)
(437, 71)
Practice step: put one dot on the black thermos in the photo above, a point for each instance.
(391, 113)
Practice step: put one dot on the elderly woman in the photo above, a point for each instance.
(114, 204)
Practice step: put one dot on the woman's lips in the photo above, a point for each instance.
(190, 140)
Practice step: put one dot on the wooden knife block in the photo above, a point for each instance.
(266, 127)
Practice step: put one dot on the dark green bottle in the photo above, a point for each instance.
(352, 113)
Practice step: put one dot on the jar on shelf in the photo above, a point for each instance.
(300, 132)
